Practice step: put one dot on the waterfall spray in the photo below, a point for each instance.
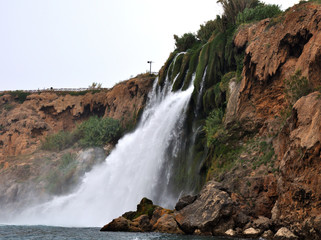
(139, 166)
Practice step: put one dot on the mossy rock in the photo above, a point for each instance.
(145, 207)
(182, 73)
(163, 71)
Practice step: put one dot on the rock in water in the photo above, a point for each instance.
(207, 211)
(120, 224)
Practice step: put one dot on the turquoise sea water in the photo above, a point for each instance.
(61, 233)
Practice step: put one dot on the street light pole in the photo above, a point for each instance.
(150, 67)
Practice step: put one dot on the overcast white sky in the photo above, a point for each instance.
(73, 43)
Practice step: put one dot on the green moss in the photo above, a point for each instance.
(176, 67)
(222, 158)
(145, 207)
(182, 72)
(193, 63)
(165, 68)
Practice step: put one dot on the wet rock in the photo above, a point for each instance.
(205, 213)
(167, 224)
(284, 234)
(268, 234)
(230, 233)
(262, 223)
(143, 223)
(184, 201)
(251, 232)
(120, 224)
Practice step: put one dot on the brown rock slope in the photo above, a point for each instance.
(24, 125)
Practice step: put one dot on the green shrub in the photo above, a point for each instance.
(187, 41)
(206, 30)
(224, 84)
(20, 95)
(258, 13)
(232, 8)
(8, 107)
(66, 160)
(215, 131)
(58, 141)
(296, 87)
(98, 131)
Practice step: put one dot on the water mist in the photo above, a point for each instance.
(139, 166)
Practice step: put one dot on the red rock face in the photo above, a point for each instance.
(275, 50)
(299, 183)
(24, 125)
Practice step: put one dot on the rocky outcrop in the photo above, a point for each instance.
(23, 126)
(146, 218)
(208, 213)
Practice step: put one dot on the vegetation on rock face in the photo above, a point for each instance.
(258, 13)
(296, 87)
(212, 58)
(233, 7)
(187, 41)
(98, 131)
(58, 141)
(20, 96)
(93, 132)
(206, 30)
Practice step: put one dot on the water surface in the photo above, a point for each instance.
(13, 232)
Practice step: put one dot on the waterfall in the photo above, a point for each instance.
(139, 166)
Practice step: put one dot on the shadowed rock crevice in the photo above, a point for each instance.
(294, 44)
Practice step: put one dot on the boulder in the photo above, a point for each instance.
(251, 232)
(284, 234)
(262, 223)
(205, 213)
(268, 234)
(230, 233)
(167, 224)
(120, 224)
(184, 201)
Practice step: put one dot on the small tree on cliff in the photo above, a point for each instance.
(233, 7)
(185, 42)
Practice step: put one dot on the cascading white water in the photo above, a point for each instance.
(134, 169)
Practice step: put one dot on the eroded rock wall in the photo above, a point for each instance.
(23, 126)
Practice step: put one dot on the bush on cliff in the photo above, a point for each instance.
(258, 13)
(91, 133)
(206, 30)
(187, 41)
(58, 141)
(296, 87)
(233, 7)
(98, 131)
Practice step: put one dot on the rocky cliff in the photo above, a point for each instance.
(24, 125)
(264, 170)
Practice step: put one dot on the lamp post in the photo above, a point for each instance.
(150, 67)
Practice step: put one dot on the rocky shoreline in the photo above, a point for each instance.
(214, 212)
